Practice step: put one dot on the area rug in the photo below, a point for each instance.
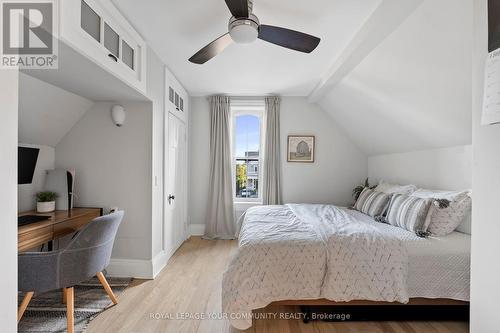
(46, 313)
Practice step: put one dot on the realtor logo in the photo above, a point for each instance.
(28, 34)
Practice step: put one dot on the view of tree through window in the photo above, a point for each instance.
(247, 146)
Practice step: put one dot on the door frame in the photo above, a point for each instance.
(166, 188)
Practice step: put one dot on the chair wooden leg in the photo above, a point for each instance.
(64, 292)
(24, 305)
(70, 309)
(106, 286)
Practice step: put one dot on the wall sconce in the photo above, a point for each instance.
(118, 115)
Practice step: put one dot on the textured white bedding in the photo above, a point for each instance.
(438, 267)
(320, 251)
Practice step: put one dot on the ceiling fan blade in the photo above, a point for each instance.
(212, 49)
(239, 8)
(291, 39)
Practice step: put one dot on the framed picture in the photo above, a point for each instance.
(301, 148)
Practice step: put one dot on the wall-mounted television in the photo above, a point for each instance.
(26, 163)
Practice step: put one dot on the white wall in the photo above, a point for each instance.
(199, 136)
(485, 273)
(26, 192)
(339, 166)
(442, 169)
(413, 91)
(47, 112)
(9, 83)
(113, 169)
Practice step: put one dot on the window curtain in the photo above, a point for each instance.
(220, 215)
(272, 156)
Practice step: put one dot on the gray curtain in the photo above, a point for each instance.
(220, 215)
(272, 155)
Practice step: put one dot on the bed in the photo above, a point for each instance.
(315, 254)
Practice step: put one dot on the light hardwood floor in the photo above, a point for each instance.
(191, 283)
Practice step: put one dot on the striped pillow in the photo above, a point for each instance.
(372, 203)
(408, 212)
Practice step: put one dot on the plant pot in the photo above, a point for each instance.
(45, 207)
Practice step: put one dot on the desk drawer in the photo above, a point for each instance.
(32, 238)
(73, 224)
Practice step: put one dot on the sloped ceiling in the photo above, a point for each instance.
(177, 29)
(47, 112)
(413, 91)
(394, 74)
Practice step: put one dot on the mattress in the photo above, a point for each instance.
(438, 267)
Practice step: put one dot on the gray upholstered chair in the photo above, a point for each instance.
(87, 254)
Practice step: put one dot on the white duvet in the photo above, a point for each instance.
(309, 252)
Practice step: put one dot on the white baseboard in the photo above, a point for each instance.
(139, 269)
(147, 269)
(159, 262)
(134, 268)
(196, 229)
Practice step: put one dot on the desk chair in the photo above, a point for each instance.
(87, 254)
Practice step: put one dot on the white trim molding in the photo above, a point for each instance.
(137, 268)
(159, 262)
(143, 268)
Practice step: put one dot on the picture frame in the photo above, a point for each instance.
(301, 148)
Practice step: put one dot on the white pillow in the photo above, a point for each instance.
(395, 188)
(443, 221)
(435, 194)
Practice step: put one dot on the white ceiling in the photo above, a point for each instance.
(413, 91)
(46, 112)
(176, 29)
(395, 74)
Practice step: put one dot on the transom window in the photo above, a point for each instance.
(247, 149)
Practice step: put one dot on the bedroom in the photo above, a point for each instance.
(270, 181)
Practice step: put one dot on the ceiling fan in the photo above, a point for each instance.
(244, 27)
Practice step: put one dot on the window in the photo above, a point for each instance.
(127, 54)
(247, 149)
(111, 40)
(90, 22)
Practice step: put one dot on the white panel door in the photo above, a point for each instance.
(176, 183)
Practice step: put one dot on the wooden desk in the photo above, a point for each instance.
(60, 223)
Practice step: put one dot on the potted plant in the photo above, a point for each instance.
(46, 201)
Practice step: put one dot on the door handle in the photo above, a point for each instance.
(170, 198)
(112, 56)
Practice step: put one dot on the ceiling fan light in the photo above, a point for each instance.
(244, 31)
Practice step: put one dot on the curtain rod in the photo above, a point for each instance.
(244, 98)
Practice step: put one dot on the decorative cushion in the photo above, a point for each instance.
(443, 220)
(408, 212)
(372, 202)
(395, 188)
